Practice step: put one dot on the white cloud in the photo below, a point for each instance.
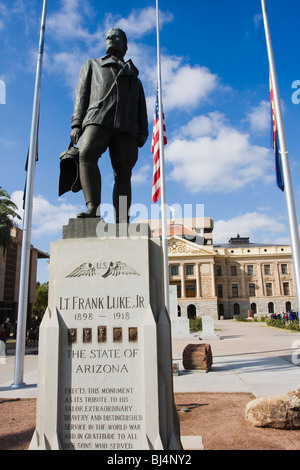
(141, 175)
(72, 22)
(47, 218)
(7, 143)
(283, 240)
(204, 125)
(257, 19)
(3, 9)
(6, 13)
(247, 225)
(18, 14)
(220, 160)
(67, 65)
(17, 10)
(68, 22)
(139, 22)
(260, 117)
(186, 87)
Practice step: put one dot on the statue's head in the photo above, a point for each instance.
(116, 42)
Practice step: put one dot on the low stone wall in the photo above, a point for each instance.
(202, 307)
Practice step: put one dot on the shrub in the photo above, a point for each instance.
(282, 323)
(196, 324)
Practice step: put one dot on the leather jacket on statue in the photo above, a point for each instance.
(109, 93)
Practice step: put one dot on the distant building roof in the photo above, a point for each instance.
(42, 255)
(238, 241)
(176, 229)
(17, 234)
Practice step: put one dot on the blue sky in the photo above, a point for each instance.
(215, 96)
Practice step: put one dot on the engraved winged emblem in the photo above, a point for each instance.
(118, 269)
(85, 269)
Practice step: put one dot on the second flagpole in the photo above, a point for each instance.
(28, 208)
(164, 224)
(288, 187)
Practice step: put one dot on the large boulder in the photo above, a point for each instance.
(281, 412)
(197, 357)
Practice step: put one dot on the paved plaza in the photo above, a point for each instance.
(248, 357)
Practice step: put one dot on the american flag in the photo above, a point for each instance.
(275, 142)
(156, 183)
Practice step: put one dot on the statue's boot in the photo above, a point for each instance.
(91, 185)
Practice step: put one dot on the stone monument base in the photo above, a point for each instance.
(180, 326)
(208, 330)
(105, 361)
(192, 442)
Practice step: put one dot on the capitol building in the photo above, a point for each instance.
(225, 280)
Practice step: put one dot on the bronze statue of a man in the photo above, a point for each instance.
(109, 112)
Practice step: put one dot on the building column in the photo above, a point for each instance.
(277, 280)
(243, 280)
(260, 280)
(213, 282)
(182, 281)
(198, 287)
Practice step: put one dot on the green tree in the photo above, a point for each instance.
(41, 299)
(8, 212)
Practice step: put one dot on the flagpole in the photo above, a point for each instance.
(27, 222)
(288, 187)
(162, 172)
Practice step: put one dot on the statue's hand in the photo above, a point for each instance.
(75, 135)
(141, 140)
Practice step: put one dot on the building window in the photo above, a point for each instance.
(269, 289)
(286, 288)
(284, 269)
(220, 290)
(190, 291)
(267, 268)
(270, 307)
(233, 271)
(189, 269)
(236, 309)
(250, 269)
(235, 290)
(174, 270)
(191, 311)
(218, 270)
(254, 308)
(252, 290)
(220, 310)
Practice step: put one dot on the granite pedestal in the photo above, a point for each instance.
(105, 360)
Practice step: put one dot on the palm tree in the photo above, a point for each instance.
(7, 213)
